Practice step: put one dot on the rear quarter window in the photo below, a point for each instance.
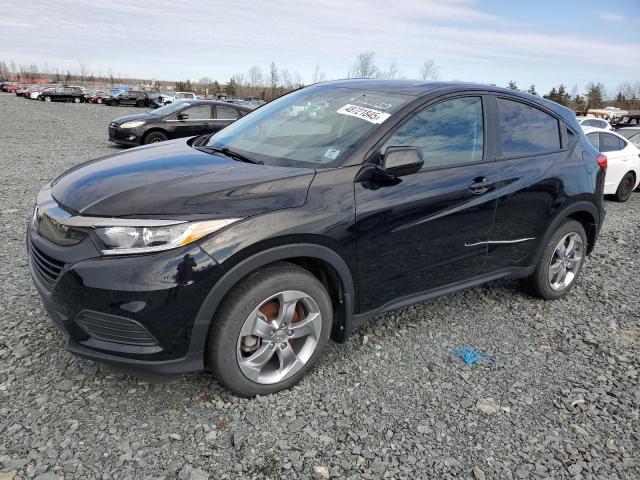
(526, 130)
(594, 138)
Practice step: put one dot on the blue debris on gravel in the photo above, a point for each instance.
(470, 356)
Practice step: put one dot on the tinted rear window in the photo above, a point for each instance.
(526, 130)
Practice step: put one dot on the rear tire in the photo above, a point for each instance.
(623, 193)
(284, 354)
(99, 100)
(76, 100)
(558, 270)
(154, 137)
(139, 104)
(47, 99)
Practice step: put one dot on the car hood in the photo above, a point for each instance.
(133, 116)
(171, 179)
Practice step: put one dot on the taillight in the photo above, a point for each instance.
(602, 161)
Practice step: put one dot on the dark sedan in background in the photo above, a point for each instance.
(63, 94)
(130, 97)
(180, 119)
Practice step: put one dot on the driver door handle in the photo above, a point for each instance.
(481, 185)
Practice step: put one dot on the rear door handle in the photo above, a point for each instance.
(481, 185)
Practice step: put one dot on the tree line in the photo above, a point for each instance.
(626, 96)
(275, 81)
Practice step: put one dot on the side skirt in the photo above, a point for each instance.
(360, 319)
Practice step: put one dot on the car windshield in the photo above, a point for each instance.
(169, 109)
(628, 133)
(314, 125)
(635, 139)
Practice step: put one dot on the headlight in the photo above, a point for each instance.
(133, 124)
(122, 239)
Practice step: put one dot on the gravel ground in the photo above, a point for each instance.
(559, 399)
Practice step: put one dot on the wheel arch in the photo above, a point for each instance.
(153, 130)
(584, 212)
(322, 262)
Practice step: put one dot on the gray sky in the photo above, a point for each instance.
(490, 41)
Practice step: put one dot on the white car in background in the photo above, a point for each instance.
(623, 162)
(595, 123)
(171, 97)
(35, 94)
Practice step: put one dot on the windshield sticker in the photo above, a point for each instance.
(372, 101)
(368, 114)
(332, 153)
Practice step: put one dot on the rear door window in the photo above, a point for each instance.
(226, 113)
(594, 138)
(198, 112)
(526, 130)
(610, 143)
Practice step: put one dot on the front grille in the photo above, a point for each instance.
(111, 328)
(48, 269)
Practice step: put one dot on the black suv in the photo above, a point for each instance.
(245, 251)
(63, 94)
(131, 98)
(184, 118)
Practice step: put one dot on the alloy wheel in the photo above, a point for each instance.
(626, 187)
(566, 261)
(279, 337)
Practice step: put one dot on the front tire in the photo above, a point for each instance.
(270, 330)
(561, 262)
(47, 99)
(625, 188)
(76, 100)
(154, 137)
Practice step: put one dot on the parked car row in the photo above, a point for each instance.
(112, 97)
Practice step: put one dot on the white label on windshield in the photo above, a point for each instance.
(332, 153)
(368, 114)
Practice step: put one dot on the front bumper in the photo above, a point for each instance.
(125, 136)
(133, 312)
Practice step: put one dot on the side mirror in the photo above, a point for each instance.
(400, 161)
(183, 116)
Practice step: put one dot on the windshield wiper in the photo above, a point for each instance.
(233, 154)
(202, 139)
